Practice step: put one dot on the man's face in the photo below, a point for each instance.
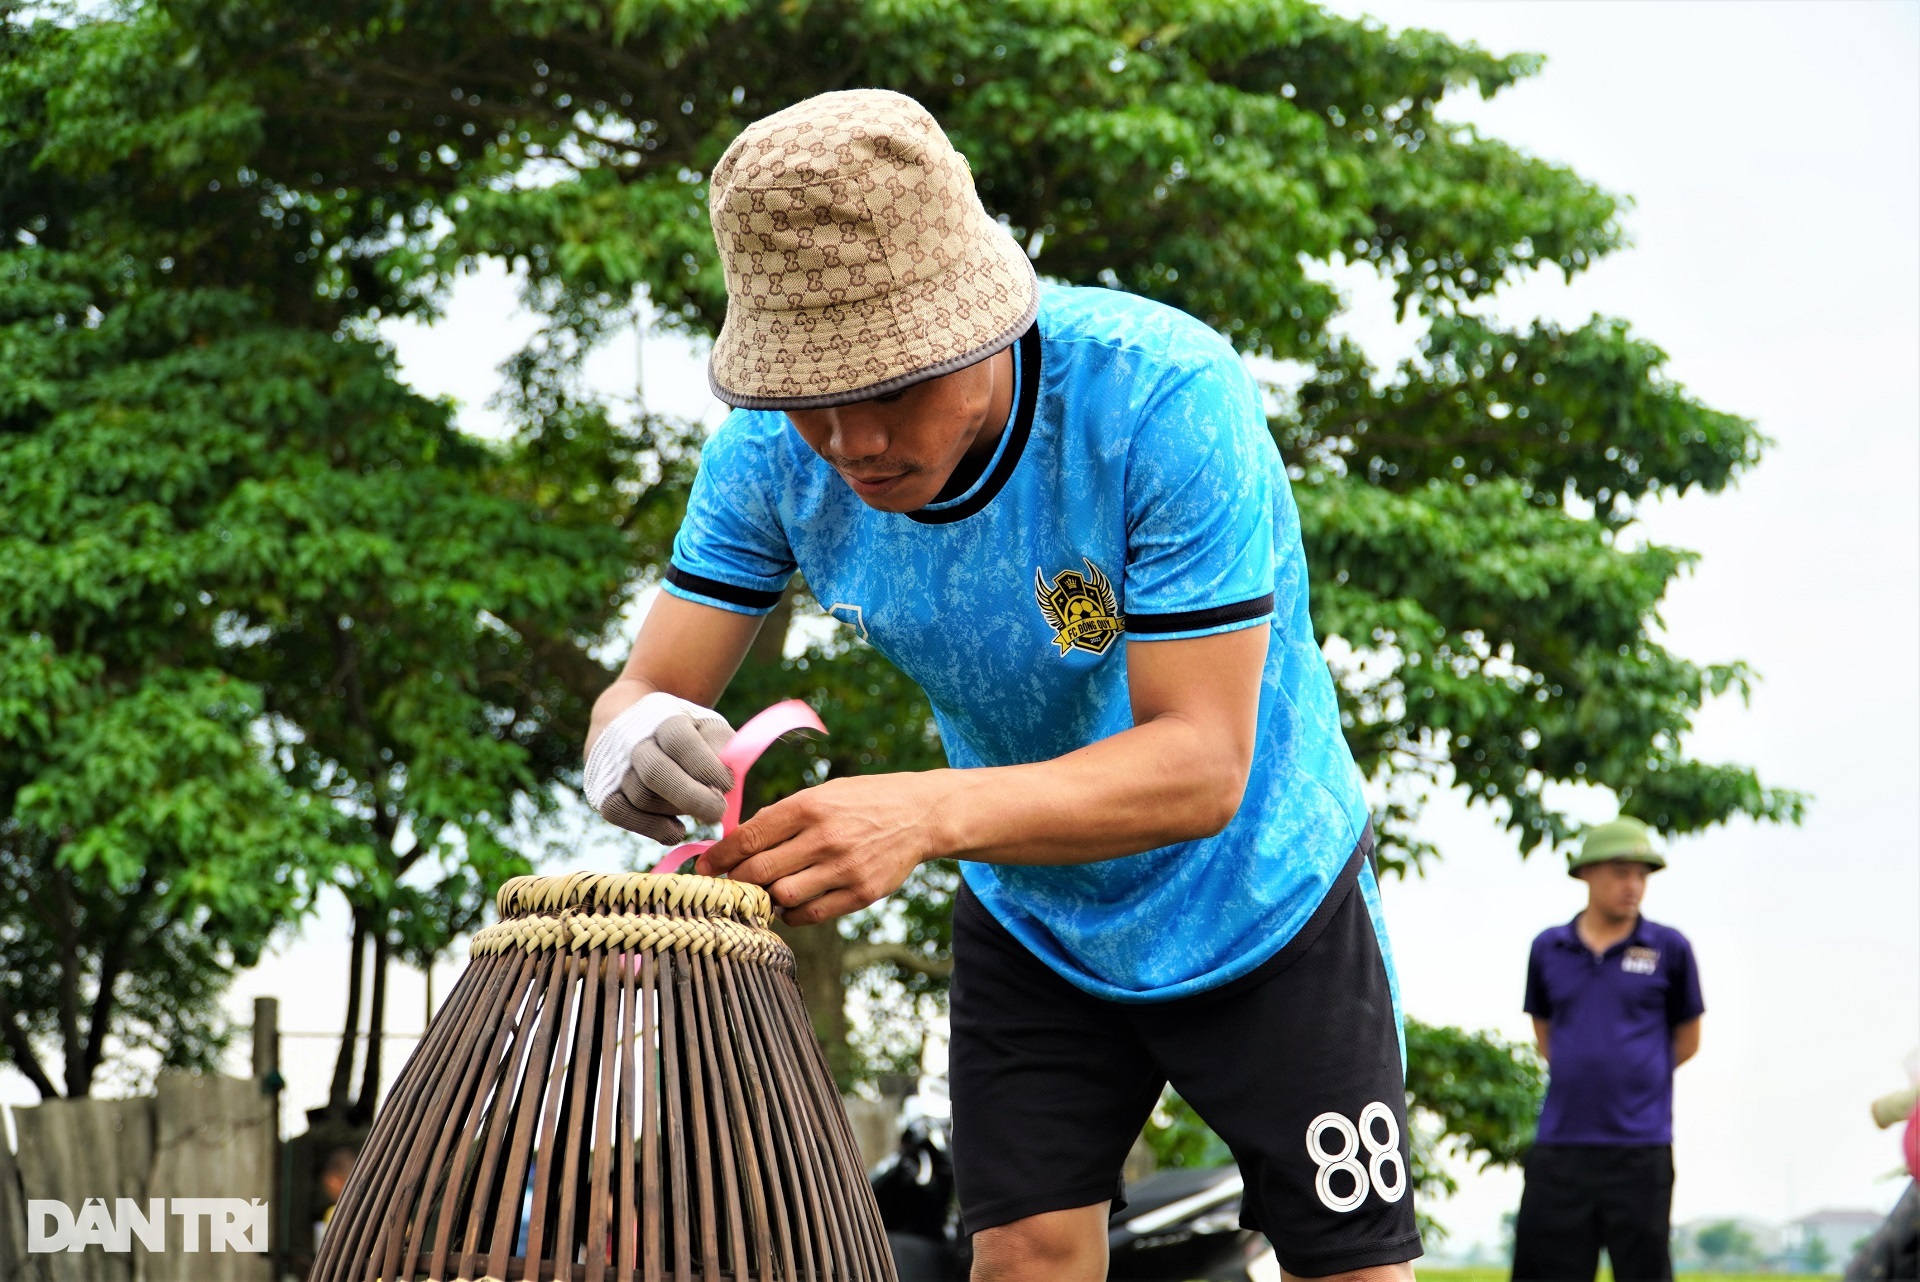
(1615, 887)
(896, 451)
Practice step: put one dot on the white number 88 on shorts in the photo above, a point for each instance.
(1383, 1155)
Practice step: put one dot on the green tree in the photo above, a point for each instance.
(147, 851)
(1816, 1255)
(268, 623)
(1473, 1097)
(1724, 1244)
(1178, 1137)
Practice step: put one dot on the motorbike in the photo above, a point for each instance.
(1185, 1224)
(1893, 1250)
(1177, 1226)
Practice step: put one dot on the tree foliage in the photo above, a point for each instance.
(1724, 1243)
(1467, 529)
(211, 204)
(1473, 1097)
(269, 622)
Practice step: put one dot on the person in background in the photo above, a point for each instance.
(1616, 1007)
(334, 1170)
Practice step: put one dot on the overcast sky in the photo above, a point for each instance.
(1773, 154)
(1772, 151)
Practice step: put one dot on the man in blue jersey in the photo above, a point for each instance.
(1060, 512)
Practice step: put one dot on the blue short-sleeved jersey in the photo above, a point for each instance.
(1135, 495)
(1611, 1020)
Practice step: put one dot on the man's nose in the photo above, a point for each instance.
(858, 436)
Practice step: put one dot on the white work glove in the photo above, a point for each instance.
(658, 760)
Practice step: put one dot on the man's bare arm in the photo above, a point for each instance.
(1177, 774)
(1686, 1041)
(684, 649)
(1541, 1029)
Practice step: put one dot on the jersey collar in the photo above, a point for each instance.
(1018, 431)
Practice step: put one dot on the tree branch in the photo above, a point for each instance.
(338, 1093)
(859, 956)
(347, 678)
(113, 956)
(68, 988)
(23, 1057)
(362, 1110)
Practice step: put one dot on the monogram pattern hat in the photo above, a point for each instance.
(858, 257)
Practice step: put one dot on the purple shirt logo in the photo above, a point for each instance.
(1641, 961)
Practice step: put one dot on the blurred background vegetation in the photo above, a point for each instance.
(271, 625)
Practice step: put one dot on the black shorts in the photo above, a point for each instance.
(1579, 1198)
(1295, 1065)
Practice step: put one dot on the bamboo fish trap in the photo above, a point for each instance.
(622, 1087)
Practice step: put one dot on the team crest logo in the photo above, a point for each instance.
(1080, 608)
(1640, 961)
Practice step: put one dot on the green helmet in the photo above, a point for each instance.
(1623, 838)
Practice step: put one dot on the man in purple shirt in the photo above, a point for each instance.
(1616, 1007)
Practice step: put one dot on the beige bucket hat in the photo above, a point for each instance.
(858, 257)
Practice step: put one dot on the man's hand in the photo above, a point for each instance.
(657, 760)
(835, 848)
(657, 767)
(677, 771)
(1686, 1041)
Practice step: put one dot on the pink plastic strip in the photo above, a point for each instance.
(748, 742)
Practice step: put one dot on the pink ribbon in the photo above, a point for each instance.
(748, 742)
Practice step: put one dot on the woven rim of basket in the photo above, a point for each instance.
(633, 912)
